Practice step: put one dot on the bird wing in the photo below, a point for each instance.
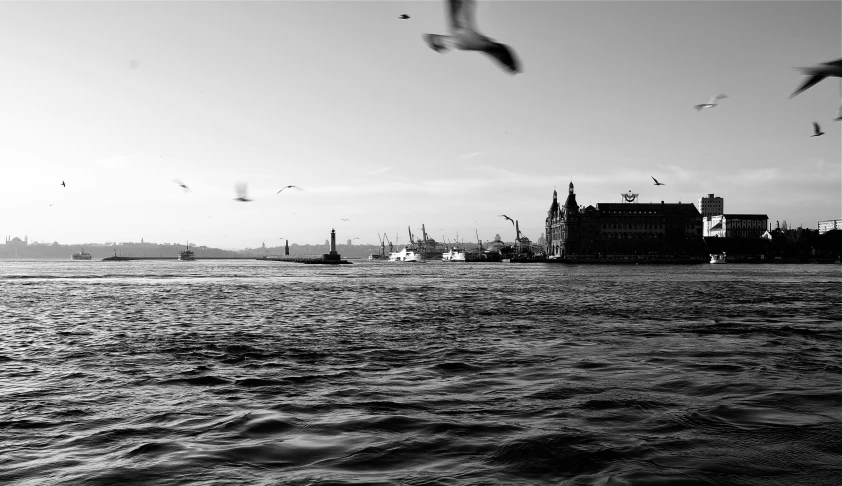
(656, 180)
(837, 62)
(816, 127)
(699, 107)
(809, 83)
(504, 56)
(721, 96)
(462, 15)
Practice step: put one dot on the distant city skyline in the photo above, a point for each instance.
(382, 133)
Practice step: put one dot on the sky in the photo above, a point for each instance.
(346, 101)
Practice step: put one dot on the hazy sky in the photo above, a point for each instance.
(345, 100)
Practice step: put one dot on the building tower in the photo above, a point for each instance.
(571, 223)
(332, 241)
(286, 247)
(710, 206)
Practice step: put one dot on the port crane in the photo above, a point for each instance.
(391, 248)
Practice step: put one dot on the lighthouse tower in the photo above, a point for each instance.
(332, 255)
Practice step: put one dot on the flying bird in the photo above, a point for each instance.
(241, 192)
(712, 103)
(817, 73)
(465, 37)
(344, 219)
(657, 183)
(186, 189)
(286, 188)
(62, 183)
(404, 16)
(510, 219)
(817, 130)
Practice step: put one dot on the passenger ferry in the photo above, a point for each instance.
(187, 255)
(717, 258)
(455, 254)
(81, 256)
(407, 255)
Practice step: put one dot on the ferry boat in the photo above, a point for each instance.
(187, 255)
(455, 254)
(81, 255)
(717, 257)
(407, 255)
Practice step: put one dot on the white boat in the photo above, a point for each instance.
(407, 255)
(187, 255)
(717, 257)
(81, 255)
(455, 254)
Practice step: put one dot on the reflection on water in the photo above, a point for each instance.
(218, 372)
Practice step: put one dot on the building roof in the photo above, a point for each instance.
(745, 216)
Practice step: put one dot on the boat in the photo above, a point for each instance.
(187, 255)
(377, 257)
(81, 255)
(455, 254)
(408, 254)
(717, 257)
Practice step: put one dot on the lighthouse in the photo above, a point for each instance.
(332, 254)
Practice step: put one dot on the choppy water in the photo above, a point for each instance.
(246, 372)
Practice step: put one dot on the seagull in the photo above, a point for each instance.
(465, 37)
(286, 188)
(404, 16)
(817, 73)
(712, 103)
(344, 219)
(186, 189)
(241, 190)
(817, 130)
(62, 183)
(657, 183)
(510, 219)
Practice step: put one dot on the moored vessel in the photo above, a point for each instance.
(717, 257)
(455, 254)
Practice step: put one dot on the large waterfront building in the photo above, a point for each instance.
(830, 225)
(627, 228)
(735, 225)
(711, 206)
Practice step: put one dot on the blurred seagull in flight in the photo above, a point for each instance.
(817, 73)
(710, 104)
(510, 219)
(186, 189)
(465, 37)
(241, 192)
(404, 16)
(817, 131)
(62, 184)
(657, 183)
(286, 187)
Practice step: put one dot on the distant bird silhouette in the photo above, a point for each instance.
(186, 189)
(712, 103)
(62, 183)
(241, 192)
(657, 183)
(817, 73)
(510, 219)
(817, 131)
(465, 37)
(344, 219)
(404, 16)
(286, 188)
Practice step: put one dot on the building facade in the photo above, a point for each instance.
(711, 206)
(621, 228)
(736, 225)
(830, 225)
